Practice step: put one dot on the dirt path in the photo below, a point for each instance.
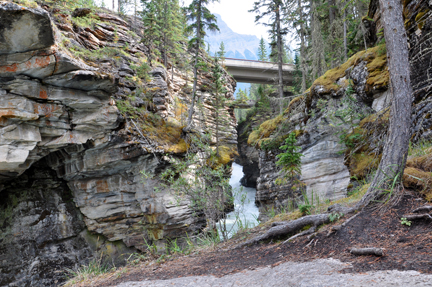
(321, 272)
(324, 260)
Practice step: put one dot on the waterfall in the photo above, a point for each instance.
(247, 212)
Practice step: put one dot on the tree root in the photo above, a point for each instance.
(423, 209)
(367, 251)
(306, 232)
(289, 227)
(336, 228)
(417, 216)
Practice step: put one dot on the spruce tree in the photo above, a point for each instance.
(172, 33)
(152, 32)
(200, 19)
(262, 51)
(221, 52)
(163, 20)
(274, 9)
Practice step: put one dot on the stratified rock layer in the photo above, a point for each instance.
(72, 164)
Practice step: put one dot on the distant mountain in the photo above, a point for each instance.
(236, 45)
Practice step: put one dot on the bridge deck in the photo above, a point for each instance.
(250, 71)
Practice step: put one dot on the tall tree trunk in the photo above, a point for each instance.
(195, 69)
(317, 51)
(395, 152)
(332, 18)
(345, 36)
(165, 45)
(302, 47)
(280, 62)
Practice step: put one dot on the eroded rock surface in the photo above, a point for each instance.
(68, 146)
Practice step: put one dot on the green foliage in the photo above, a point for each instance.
(221, 52)
(200, 20)
(305, 209)
(200, 178)
(141, 70)
(105, 53)
(94, 268)
(335, 216)
(262, 51)
(423, 147)
(405, 221)
(290, 159)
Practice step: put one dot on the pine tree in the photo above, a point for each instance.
(163, 20)
(221, 52)
(172, 26)
(201, 19)
(152, 32)
(262, 51)
(219, 90)
(274, 9)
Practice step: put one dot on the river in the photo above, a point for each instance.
(248, 211)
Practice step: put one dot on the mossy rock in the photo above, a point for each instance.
(419, 180)
(376, 64)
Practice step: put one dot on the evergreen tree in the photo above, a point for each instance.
(171, 26)
(200, 19)
(163, 20)
(219, 90)
(221, 52)
(262, 51)
(152, 32)
(274, 9)
(297, 75)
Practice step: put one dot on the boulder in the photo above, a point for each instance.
(24, 29)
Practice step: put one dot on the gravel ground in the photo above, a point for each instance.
(316, 273)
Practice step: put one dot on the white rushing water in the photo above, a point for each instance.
(247, 212)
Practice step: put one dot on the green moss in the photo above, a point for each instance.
(419, 180)
(361, 164)
(294, 103)
(222, 156)
(420, 18)
(376, 65)
(265, 130)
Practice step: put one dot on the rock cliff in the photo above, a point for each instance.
(80, 121)
(340, 122)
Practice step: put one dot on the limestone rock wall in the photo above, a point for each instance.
(325, 168)
(331, 108)
(68, 142)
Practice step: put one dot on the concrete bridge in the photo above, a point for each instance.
(250, 71)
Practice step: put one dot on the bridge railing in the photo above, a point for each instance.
(256, 61)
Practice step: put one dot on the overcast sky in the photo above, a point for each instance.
(235, 14)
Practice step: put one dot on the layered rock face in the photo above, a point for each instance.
(358, 87)
(333, 107)
(248, 157)
(71, 161)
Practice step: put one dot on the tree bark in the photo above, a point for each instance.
(395, 152)
(302, 47)
(332, 18)
(345, 37)
(280, 62)
(195, 69)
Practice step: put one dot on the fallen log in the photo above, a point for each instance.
(367, 251)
